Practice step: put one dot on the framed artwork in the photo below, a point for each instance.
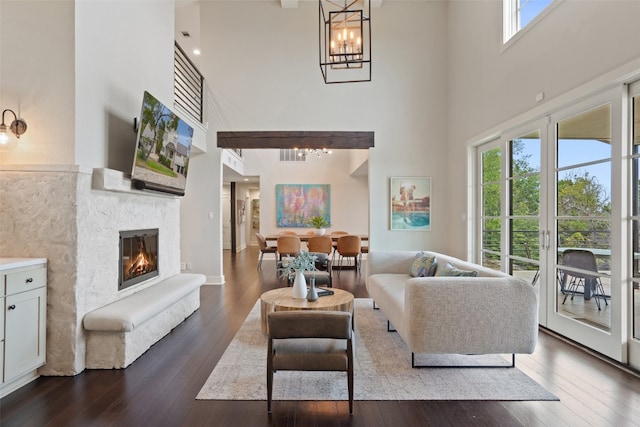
(296, 203)
(255, 214)
(241, 207)
(410, 203)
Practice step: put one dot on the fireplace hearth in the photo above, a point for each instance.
(138, 257)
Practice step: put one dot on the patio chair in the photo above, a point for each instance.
(584, 261)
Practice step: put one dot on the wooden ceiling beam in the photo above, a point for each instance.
(296, 139)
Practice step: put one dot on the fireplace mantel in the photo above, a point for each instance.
(104, 179)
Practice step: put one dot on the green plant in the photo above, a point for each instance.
(303, 261)
(318, 222)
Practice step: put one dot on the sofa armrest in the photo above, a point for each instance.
(470, 315)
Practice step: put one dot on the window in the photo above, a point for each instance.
(520, 13)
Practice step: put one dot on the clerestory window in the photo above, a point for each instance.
(520, 13)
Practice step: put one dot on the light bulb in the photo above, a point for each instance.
(4, 137)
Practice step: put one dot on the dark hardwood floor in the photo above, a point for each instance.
(159, 388)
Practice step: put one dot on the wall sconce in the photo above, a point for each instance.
(18, 126)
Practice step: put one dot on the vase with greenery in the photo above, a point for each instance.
(319, 223)
(294, 268)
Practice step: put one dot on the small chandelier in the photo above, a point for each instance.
(345, 41)
(304, 152)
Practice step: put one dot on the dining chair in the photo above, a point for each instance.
(287, 233)
(265, 249)
(334, 237)
(287, 245)
(585, 262)
(364, 249)
(309, 341)
(322, 244)
(321, 247)
(349, 246)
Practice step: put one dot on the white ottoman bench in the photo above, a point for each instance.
(120, 332)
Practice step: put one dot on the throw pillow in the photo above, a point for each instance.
(450, 270)
(423, 265)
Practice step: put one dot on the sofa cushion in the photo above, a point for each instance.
(423, 265)
(450, 270)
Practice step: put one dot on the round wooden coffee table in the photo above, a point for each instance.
(280, 300)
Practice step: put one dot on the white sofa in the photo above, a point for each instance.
(493, 313)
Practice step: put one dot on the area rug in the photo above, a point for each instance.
(382, 370)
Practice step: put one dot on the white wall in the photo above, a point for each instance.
(575, 44)
(37, 65)
(264, 75)
(121, 51)
(201, 213)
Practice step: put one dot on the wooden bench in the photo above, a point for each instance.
(120, 332)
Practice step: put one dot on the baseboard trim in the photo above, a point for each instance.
(600, 356)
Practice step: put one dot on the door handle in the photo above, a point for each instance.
(12, 307)
(548, 240)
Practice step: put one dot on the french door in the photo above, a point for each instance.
(584, 251)
(554, 190)
(512, 187)
(633, 287)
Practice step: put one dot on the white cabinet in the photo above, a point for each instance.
(23, 282)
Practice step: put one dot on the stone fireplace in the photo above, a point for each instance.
(72, 215)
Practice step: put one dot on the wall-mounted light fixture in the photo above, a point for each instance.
(18, 126)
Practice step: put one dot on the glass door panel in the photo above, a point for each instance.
(524, 206)
(583, 217)
(491, 193)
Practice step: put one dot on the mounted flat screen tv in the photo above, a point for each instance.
(163, 148)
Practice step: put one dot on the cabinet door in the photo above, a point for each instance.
(2, 338)
(25, 326)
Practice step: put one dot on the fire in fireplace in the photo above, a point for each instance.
(138, 257)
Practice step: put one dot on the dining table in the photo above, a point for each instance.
(304, 237)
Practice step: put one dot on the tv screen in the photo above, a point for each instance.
(163, 148)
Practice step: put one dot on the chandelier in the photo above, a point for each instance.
(345, 41)
(304, 152)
